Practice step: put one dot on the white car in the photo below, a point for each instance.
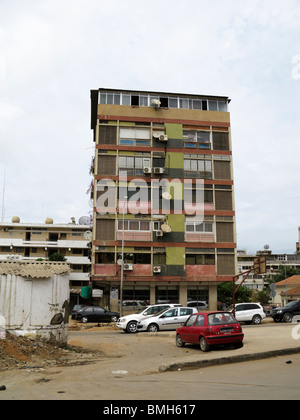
(248, 312)
(128, 323)
(169, 319)
(201, 305)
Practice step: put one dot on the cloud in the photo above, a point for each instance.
(53, 52)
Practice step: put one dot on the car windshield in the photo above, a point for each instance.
(291, 303)
(160, 312)
(140, 310)
(220, 318)
(229, 309)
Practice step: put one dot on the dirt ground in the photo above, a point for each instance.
(23, 352)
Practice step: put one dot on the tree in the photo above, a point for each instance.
(57, 256)
(225, 294)
(284, 271)
(262, 297)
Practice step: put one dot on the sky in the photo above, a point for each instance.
(53, 52)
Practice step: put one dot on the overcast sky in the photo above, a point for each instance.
(53, 52)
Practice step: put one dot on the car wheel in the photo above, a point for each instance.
(203, 345)
(152, 328)
(179, 342)
(84, 319)
(131, 327)
(256, 320)
(287, 317)
(114, 318)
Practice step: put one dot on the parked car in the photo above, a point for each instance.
(199, 304)
(248, 312)
(286, 313)
(128, 323)
(133, 305)
(210, 328)
(168, 319)
(75, 309)
(96, 314)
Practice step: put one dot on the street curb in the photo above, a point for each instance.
(195, 364)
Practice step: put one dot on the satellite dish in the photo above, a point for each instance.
(155, 102)
(165, 228)
(88, 235)
(166, 196)
(84, 220)
(266, 246)
(120, 262)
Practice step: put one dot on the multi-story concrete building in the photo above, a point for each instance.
(273, 263)
(37, 241)
(163, 163)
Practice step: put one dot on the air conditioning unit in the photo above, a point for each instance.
(147, 170)
(158, 170)
(159, 233)
(156, 269)
(128, 267)
(163, 137)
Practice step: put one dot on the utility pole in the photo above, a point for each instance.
(122, 266)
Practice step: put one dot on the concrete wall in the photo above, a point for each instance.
(36, 306)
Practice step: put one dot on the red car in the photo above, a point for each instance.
(210, 328)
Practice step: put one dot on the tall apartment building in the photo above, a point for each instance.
(163, 163)
(37, 241)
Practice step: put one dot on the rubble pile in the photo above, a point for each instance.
(24, 352)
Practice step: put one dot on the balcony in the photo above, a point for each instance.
(199, 237)
(134, 236)
(115, 270)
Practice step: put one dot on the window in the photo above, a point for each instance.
(159, 259)
(196, 139)
(134, 164)
(220, 141)
(200, 321)
(170, 313)
(183, 103)
(110, 98)
(198, 168)
(135, 100)
(141, 225)
(173, 102)
(107, 134)
(197, 226)
(191, 321)
(135, 258)
(105, 258)
(185, 311)
(98, 310)
(200, 259)
(135, 137)
(77, 251)
(144, 99)
(158, 162)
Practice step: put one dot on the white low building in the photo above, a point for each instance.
(34, 299)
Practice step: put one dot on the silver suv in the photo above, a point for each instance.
(248, 312)
(128, 323)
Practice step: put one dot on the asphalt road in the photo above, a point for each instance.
(129, 370)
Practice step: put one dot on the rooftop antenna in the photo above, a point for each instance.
(3, 195)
